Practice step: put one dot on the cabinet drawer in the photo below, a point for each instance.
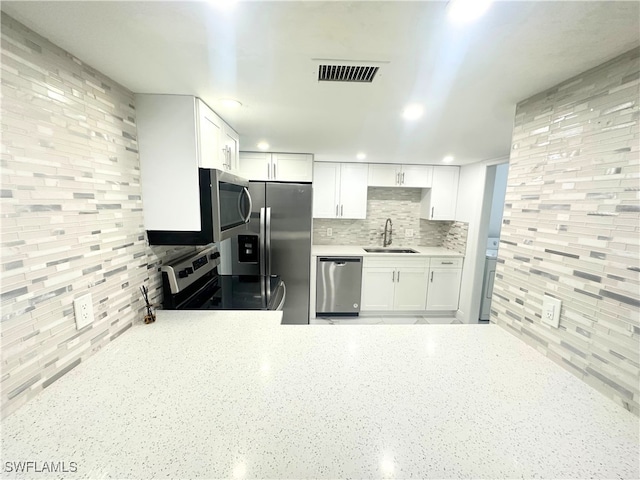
(446, 262)
(396, 262)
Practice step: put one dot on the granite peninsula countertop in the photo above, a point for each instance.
(237, 395)
(328, 250)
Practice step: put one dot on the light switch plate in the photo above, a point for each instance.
(551, 311)
(329, 232)
(408, 233)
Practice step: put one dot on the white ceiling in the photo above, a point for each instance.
(261, 53)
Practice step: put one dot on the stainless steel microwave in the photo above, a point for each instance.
(225, 209)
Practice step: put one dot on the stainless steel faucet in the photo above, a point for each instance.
(385, 242)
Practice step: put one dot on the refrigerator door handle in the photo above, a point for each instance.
(263, 260)
(267, 240)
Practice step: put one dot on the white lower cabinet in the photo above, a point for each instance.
(394, 284)
(444, 284)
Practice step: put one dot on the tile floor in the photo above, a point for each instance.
(365, 320)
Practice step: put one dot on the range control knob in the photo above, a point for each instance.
(215, 255)
(183, 273)
(189, 270)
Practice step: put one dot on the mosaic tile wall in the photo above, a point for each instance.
(402, 206)
(571, 227)
(71, 213)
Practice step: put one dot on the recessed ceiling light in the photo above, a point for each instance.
(413, 112)
(224, 4)
(361, 156)
(230, 103)
(263, 146)
(466, 11)
(448, 159)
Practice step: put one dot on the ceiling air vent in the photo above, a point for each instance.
(347, 73)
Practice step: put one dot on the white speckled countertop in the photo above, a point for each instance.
(236, 394)
(328, 250)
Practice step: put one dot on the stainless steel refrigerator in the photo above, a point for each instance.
(278, 242)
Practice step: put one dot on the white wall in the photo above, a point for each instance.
(475, 192)
(497, 204)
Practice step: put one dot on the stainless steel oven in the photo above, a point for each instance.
(193, 283)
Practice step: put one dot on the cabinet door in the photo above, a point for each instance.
(231, 147)
(444, 193)
(209, 138)
(444, 288)
(292, 167)
(326, 189)
(353, 190)
(383, 175)
(255, 166)
(377, 289)
(417, 176)
(411, 289)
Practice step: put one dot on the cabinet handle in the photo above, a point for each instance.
(432, 208)
(446, 263)
(336, 211)
(393, 277)
(341, 210)
(398, 276)
(397, 179)
(274, 172)
(402, 178)
(269, 171)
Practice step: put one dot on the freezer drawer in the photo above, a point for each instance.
(338, 285)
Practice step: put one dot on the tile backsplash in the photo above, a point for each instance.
(571, 227)
(402, 206)
(71, 213)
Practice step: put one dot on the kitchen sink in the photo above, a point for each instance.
(389, 250)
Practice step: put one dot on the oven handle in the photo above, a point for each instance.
(284, 296)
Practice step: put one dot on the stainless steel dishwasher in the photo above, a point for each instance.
(338, 285)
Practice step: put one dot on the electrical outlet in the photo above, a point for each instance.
(408, 233)
(329, 232)
(83, 308)
(551, 311)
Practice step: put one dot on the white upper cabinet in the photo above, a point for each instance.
(176, 135)
(439, 202)
(417, 176)
(339, 190)
(390, 175)
(281, 167)
(292, 167)
(219, 144)
(230, 150)
(210, 138)
(383, 175)
(255, 166)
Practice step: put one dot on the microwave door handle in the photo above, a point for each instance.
(261, 240)
(245, 192)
